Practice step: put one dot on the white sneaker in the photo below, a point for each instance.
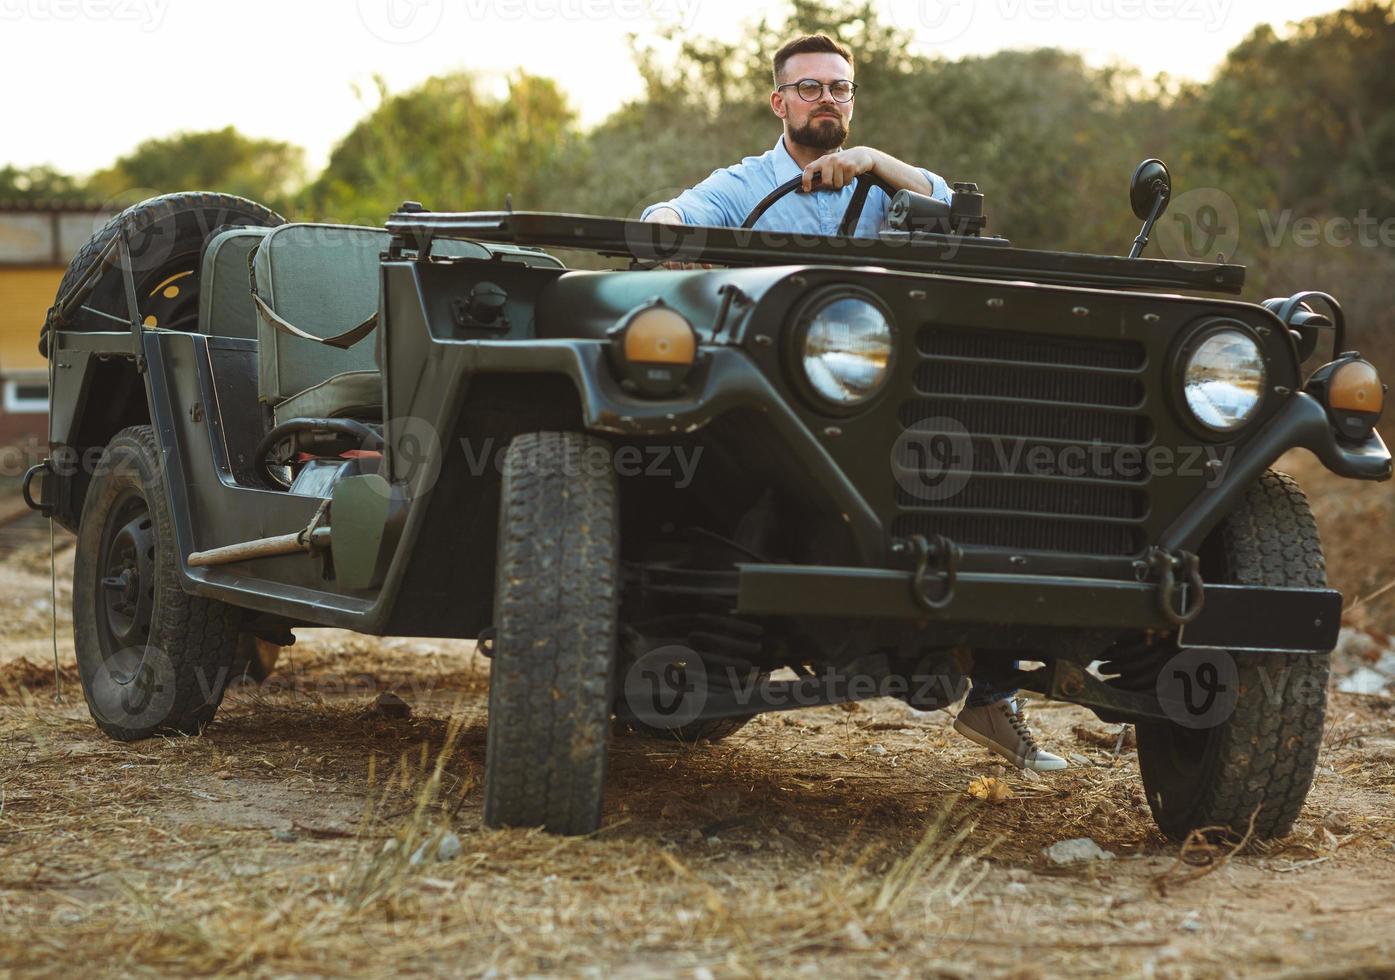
(1002, 727)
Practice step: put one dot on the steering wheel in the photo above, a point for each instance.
(864, 183)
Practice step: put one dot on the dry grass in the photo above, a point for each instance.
(281, 843)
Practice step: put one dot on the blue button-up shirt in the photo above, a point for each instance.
(725, 198)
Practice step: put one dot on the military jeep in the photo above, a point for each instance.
(740, 472)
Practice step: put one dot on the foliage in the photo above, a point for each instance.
(452, 145)
(216, 160)
(1296, 125)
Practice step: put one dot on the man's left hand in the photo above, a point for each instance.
(838, 170)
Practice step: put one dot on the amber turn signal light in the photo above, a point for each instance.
(652, 349)
(1351, 391)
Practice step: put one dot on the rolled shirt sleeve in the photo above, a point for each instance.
(716, 201)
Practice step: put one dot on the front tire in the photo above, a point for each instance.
(1259, 762)
(555, 615)
(152, 658)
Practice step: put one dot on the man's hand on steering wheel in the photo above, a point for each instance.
(840, 168)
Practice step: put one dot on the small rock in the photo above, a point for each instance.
(1191, 923)
(1017, 888)
(877, 748)
(1077, 850)
(1031, 775)
(1079, 759)
(857, 936)
(1337, 823)
(1364, 680)
(389, 705)
(714, 841)
(449, 847)
(703, 973)
(284, 836)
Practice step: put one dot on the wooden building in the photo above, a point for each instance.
(37, 240)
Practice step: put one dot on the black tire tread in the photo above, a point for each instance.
(556, 607)
(199, 635)
(1264, 762)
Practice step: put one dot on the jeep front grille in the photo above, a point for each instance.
(996, 448)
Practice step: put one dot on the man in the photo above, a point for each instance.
(813, 97)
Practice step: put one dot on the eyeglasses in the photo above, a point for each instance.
(811, 89)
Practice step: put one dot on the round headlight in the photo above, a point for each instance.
(1223, 380)
(847, 350)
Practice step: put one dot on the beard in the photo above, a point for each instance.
(821, 132)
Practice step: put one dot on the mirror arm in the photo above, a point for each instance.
(1139, 243)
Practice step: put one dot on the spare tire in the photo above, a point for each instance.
(166, 236)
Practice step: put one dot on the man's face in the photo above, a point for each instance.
(822, 124)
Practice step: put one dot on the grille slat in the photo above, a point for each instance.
(999, 429)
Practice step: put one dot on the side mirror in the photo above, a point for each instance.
(1149, 180)
(1149, 191)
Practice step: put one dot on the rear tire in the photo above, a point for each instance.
(555, 613)
(1259, 762)
(152, 658)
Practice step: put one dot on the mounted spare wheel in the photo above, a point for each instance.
(555, 616)
(166, 236)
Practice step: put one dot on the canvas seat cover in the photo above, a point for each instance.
(324, 280)
(225, 308)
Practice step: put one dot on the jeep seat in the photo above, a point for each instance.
(225, 308)
(317, 287)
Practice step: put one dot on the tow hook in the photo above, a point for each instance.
(945, 556)
(1177, 572)
(27, 494)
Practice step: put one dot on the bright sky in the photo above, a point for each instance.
(85, 80)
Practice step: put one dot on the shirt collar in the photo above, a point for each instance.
(785, 167)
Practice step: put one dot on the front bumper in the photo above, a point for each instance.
(1234, 617)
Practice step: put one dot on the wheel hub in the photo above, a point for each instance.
(128, 580)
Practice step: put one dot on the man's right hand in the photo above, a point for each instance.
(668, 216)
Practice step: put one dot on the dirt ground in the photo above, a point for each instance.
(301, 835)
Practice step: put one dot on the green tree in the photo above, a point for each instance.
(40, 183)
(452, 145)
(223, 160)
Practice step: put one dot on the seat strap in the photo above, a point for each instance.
(343, 340)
